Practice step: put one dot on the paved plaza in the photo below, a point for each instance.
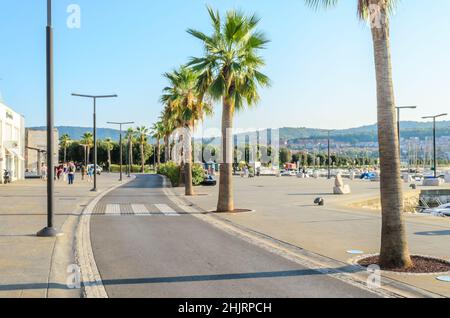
(283, 209)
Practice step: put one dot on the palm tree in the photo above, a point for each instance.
(109, 146)
(141, 135)
(64, 142)
(87, 140)
(169, 124)
(157, 133)
(130, 136)
(394, 246)
(186, 106)
(230, 71)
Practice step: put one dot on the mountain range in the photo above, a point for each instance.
(410, 129)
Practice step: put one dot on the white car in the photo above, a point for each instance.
(288, 173)
(99, 169)
(443, 210)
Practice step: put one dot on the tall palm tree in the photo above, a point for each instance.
(169, 123)
(230, 71)
(158, 133)
(141, 136)
(109, 146)
(186, 105)
(394, 245)
(64, 143)
(87, 140)
(130, 136)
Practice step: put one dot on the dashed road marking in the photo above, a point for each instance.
(112, 209)
(167, 210)
(140, 210)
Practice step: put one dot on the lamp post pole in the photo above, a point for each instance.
(120, 144)
(94, 98)
(434, 141)
(49, 231)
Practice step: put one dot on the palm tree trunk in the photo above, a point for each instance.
(189, 187)
(394, 246)
(109, 160)
(167, 149)
(65, 154)
(158, 155)
(88, 155)
(130, 154)
(226, 199)
(142, 158)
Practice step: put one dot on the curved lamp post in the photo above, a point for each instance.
(94, 98)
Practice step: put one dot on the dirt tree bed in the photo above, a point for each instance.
(421, 265)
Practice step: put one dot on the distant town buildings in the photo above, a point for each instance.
(12, 143)
(36, 150)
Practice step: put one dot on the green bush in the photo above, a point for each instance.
(198, 175)
(172, 171)
(134, 169)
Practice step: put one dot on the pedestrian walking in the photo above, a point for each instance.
(90, 173)
(71, 173)
(44, 172)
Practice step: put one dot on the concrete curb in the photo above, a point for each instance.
(351, 275)
(90, 277)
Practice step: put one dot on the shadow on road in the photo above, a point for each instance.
(187, 279)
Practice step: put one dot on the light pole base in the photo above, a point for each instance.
(94, 190)
(49, 232)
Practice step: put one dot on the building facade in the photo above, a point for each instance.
(12, 143)
(36, 150)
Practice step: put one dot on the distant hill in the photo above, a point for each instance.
(410, 129)
(76, 132)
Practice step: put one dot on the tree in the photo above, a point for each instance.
(230, 72)
(394, 246)
(285, 156)
(87, 141)
(64, 143)
(141, 136)
(130, 136)
(186, 106)
(109, 146)
(157, 133)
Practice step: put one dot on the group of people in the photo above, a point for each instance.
(67, 172)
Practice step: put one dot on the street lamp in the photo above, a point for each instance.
(49, 231)
(434, 139)
(94, 98)
(399, 108)
(120, 144)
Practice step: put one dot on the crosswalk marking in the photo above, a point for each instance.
(167, 210)
(113, 209)
(140, 209)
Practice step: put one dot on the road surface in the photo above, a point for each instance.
(145, 247)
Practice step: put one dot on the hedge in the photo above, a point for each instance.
(172, 171)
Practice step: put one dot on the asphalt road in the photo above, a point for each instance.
(145, 247)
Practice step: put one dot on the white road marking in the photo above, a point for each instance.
(167, 210)
(112, 209)
(140, 209)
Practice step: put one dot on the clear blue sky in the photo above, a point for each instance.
(321, 63)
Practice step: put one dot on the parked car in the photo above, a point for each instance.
(209, 181)
(288, 173)
(99, 169)
(442, 210)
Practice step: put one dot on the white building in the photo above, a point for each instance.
(12, 143)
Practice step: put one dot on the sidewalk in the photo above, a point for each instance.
(33, 267)
(284, 210)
